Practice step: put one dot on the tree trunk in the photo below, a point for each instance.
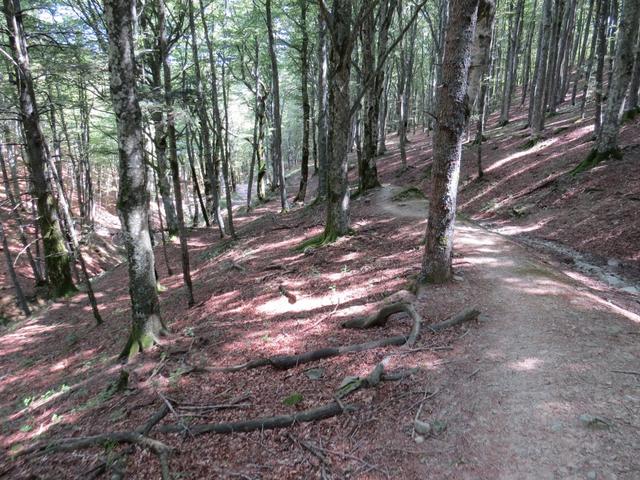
(322, 120)
(173, 150)
(481, 49)
(607, 143)
(16, 208)
(304, 87)
(511, 63)
(581, 67)
(276, 153)
(133, 196)
(217, 118)
(452, 113)
(592, 51)
(20, 298)
(57, 259)
(634, 85)
(337, 223)
(212, 183)
(602, 53)
(539, 93)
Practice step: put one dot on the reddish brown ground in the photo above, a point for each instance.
(510, 390)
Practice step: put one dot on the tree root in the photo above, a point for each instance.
(462, 317)
(137, 437)
(265, 423)
(285, 362)
(323, 412)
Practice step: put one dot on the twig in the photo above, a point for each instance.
(627, 372)
(178, 417)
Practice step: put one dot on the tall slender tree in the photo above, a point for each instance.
(57, 258)
(133, 195)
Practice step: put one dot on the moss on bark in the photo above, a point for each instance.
(594, 158)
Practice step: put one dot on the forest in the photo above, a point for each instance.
(364, 239)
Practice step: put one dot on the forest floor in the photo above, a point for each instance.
(533, 389)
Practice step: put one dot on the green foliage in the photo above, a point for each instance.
(293, 399)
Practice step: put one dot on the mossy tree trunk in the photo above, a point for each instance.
(57, 258)
(452, 114)
(133, 195)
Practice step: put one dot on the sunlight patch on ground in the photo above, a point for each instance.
(518, 229)
(536, 148)
(526, 364)
(281, 305)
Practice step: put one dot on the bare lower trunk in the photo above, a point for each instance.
(607, 143)
(133, 196)
(304, 87)
(322, 124)
(173, 152)
(277, 120)
(20, 298)
(452, 113)
(337, 223)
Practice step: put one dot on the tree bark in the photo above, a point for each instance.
(634, 85)
(602, 53)
(173, 150)
(452, 113)
(212, 183)
(481, 49)
(322, 120)
(57, 259)
(337, 223)
(607, 143)
(133, 196)
(276, 153)
(20, 298)
(539, 93)
(304, 88)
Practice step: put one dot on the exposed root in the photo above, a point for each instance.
(265, 423)
(323, 412)
(462, 317)
(138, 437)
(133, 438)
(284, 362)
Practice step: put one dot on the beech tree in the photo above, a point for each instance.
(57, 258)
(607, 142)
(452, 112)
(133, 194)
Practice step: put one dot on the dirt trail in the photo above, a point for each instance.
(517, 396)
